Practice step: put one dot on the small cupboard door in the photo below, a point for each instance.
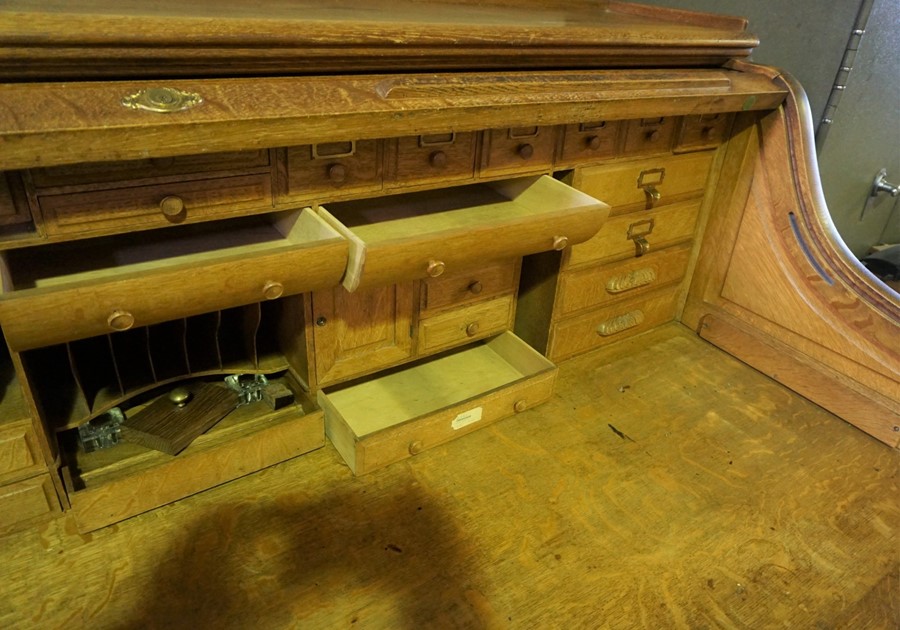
(361, 332)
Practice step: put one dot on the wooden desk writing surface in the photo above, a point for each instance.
(696, 200)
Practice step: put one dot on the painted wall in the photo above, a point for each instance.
(807, 38)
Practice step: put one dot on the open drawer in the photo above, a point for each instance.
(402, 412)
(417, 235)
(87, 288)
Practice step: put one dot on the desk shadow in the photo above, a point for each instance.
(359, 558)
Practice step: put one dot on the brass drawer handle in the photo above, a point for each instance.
(273, 290)
(435, 268)
(472, 329)
(520, 406)
(631, 280)
(621, 323)
(475, 287)
(120, 320)
(560, 243)
(171, 206)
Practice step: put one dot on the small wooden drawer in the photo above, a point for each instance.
(703, 132)
(92, 287)
(458, 289)
(420, 235)
(19, 455)
(649, 135)
(89, 174)
(382, 420)
(25, 502)
(517, 150)
(459, 326)
(589, 287)
(416, 160)
(585, 142)
(333, 168)
(636, 234)
(599, 327)
(646, 184)
(156, 205)
(13, 207)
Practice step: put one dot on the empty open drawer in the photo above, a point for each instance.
(87, 288)
(396, 414)
(422, 234)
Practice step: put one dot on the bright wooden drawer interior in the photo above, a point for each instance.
(106, 285)
(418, 235)
(385, 419)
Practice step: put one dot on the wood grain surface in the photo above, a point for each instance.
(665, 485)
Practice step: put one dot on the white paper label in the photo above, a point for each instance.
(466, 418)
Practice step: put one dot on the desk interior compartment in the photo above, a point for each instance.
(110, 284)
(419, 235)
(399, 413)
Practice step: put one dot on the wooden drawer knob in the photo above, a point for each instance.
(438, 159)
(525, 151)
(180, 396)
(171, 206)
(435, 268)
(560, 242)
(594, 143)
(707, 133)
(120, 320)
(520, 406)
(273, 290)
(337, 173)
(654, 135)
(416, 447)
(472, 329)
(475, 287)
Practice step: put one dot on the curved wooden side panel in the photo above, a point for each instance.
(776, 287)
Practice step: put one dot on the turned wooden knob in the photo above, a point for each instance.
(707, 133)
(337, 173)
(416, 447)
(171, 206)
(120, 320)
(594, 143)
(435, 268)
(560, 242)
(475, 287)
(654, 135)
(525, 151)
(438, 159)
(520, 406)
(273, 290)
(472, 329)
(179, 396)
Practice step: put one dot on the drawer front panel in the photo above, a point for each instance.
(462, 325)
(585, 142)
(156, 205)
(649, 135)
(579, 334)
(25, 501)
(599, 285)
(333, 168)
(616, 239)
(18, 450)
(630, 185)
(425, 159)
(107, 172)
(518, 150)
(464, 288)
(703, 132)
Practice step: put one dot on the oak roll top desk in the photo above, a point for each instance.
(408, 214)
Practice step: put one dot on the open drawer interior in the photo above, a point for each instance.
(379, 420)
(416, 235)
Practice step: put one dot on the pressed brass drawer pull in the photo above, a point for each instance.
(416, 447)
(631, 280)
(560, 243)
(525, 151)
(435, 268)
(337, 173)
(520, 406)
(475, 287)
(438, 159)
(171, 206)
(273, 290)
(120, 320)
(620, 323)
(472, 329)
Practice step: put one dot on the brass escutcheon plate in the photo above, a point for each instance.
(162, 100)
